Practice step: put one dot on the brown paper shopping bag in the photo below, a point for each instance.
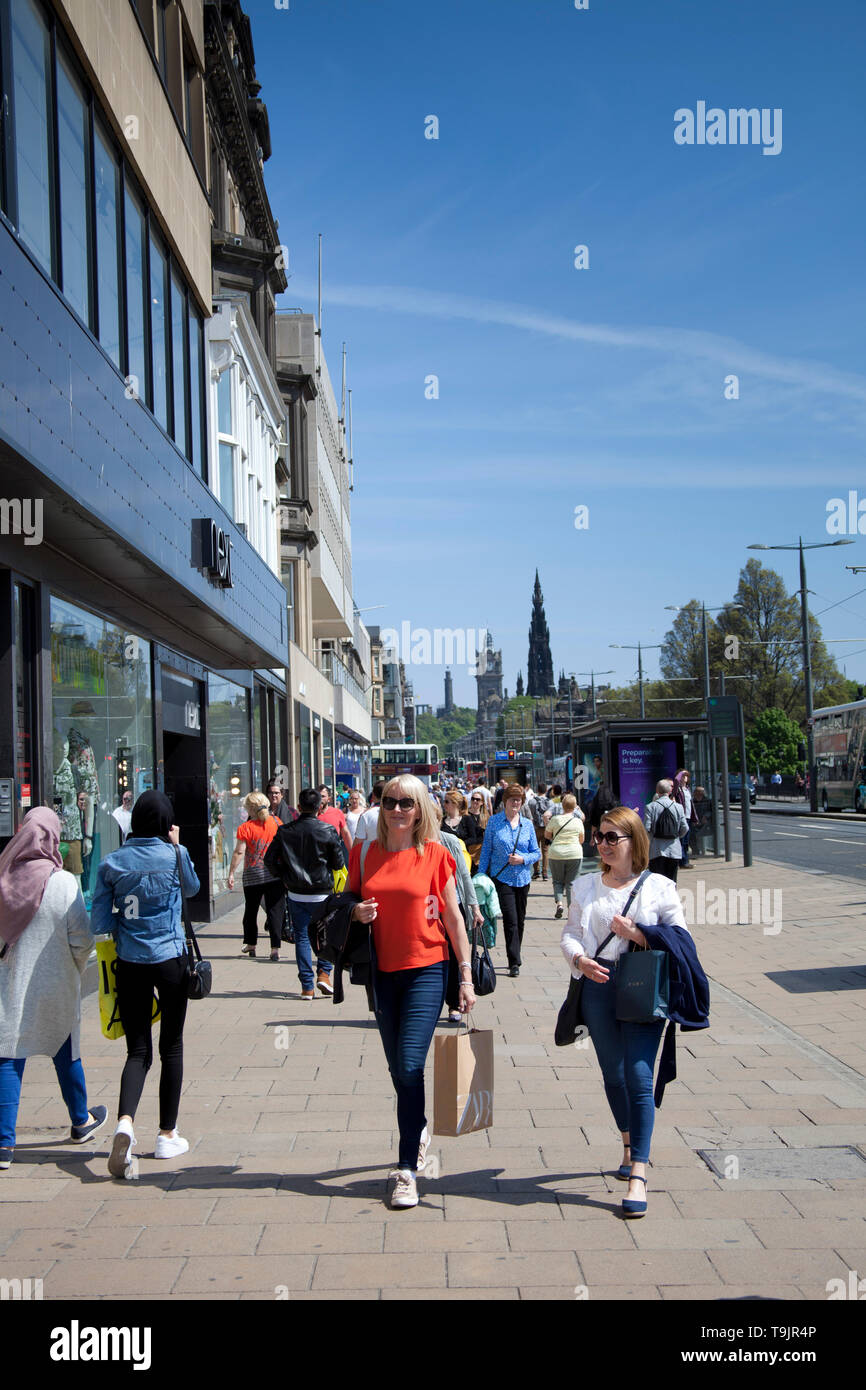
(463, 1081)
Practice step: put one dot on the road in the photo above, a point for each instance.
(815, 844)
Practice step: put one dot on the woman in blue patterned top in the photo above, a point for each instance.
(507, 855)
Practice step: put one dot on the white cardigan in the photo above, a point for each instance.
(40, 976)
(593, 907)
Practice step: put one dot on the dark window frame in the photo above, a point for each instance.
(98, 127)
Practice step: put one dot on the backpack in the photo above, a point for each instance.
(667, 826)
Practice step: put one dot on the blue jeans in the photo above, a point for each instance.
(408, 1005)
(684, 841)
(626, 1053)
(301, 913)
(70, 1074)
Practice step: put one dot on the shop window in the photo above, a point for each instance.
(102, 723)
(136, 301)
(159, 330)
(229, 771)
(31, 95)
(73, 144)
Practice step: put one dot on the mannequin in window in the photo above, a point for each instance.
(67, 808)
(83, 761)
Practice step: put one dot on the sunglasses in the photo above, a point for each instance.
(609, 837)
(390, 803)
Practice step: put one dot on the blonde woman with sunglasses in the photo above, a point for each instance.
(409, 899)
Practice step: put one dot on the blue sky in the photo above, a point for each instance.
(559, 387)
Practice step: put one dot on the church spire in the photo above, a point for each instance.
(540, 663)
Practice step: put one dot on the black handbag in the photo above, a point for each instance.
(642, 986)
(200, 977)
(569, 1018)
(483, 974)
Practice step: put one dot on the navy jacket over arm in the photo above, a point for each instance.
(689, 999)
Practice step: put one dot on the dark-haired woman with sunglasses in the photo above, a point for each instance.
(406, 882)
(594, 939)
(476, 823)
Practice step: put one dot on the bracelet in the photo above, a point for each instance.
(465, 983)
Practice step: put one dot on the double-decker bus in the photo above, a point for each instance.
(473, 770)
(840, 736)
(393, 759)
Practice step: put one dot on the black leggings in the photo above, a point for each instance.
(274, 895)
(135, 987)
(513, 903)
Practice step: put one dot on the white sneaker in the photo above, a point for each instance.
(170, 1146)
(404, 1192)
(423, 1147)
(121, 1161)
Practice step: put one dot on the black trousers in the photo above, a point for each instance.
(136, 984)
(665, 865)
(513, 904)
(274, 895)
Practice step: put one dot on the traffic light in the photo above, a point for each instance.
(235, 779)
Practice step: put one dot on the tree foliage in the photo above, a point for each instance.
(772, 742)
(443, 732)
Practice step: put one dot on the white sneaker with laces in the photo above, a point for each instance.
(404, 1192)
(423, 1148)
(121, 1161)
(170, 1146)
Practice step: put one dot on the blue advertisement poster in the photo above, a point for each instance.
(640, 765)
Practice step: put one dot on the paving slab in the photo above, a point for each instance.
(285, 1186)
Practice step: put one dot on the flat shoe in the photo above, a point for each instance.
(631, 1206)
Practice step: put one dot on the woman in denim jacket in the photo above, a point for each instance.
(507, 855)
(138, 900)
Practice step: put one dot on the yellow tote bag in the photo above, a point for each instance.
(106, 963)
(341, 877)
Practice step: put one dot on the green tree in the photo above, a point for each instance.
(771, 743)
(443, 732)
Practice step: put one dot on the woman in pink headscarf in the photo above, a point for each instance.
(45, 942)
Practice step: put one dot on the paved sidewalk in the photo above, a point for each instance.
(290, 1114)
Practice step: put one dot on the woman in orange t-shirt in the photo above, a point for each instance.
(254, 837)
(410, 900)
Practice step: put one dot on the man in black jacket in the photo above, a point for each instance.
(305, 855)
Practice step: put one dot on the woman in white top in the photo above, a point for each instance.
(626, 1052)
(356, 808)
(565, 835)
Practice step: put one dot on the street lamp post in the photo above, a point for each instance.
(807, 655)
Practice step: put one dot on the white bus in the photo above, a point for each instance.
(840, 734)
(391, 759)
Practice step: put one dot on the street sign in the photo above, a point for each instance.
(723, 716)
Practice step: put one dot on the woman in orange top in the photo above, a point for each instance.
(410, 899)
(254, 837)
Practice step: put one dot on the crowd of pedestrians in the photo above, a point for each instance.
(393, 890)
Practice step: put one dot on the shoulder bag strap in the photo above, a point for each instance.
(364, 848)
(190, 934)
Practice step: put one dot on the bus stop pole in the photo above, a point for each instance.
(726, 807)
(744, 793)
(711, 743)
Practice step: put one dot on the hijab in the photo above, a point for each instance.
(26, 864)
(152, 816)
